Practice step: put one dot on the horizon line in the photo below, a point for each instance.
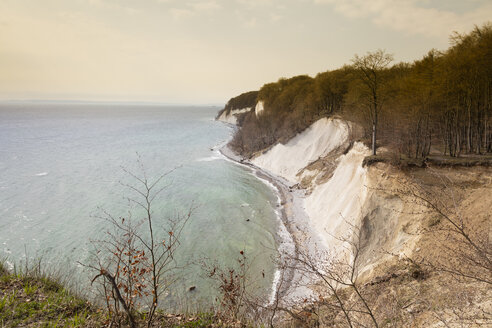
(109, 102)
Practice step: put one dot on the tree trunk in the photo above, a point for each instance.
(374, 138)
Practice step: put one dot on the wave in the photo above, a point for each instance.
(285, 241)
(42, 174)
(208, 159)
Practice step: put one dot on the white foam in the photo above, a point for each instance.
(286, 244)
(285, 241)
(208, 159)
(222, 144)
(336, 205)
(42, 174)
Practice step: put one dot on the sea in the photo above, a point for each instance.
(64, 167)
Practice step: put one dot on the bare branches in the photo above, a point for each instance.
(334, 276)
(134, 257)
(370, 67)
(466, 252)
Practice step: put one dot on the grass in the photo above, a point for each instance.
(31, 299)
(29, 289)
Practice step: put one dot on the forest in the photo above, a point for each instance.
(440, 104)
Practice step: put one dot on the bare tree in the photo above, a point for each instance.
(338, 276)
(234, 284)
(134, 258)
(370, 69)
(467, 251)
(121, 264)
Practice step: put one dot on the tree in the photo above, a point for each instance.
(135, 258)
(370, 69)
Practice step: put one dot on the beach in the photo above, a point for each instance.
(309, 173)
(295, 233)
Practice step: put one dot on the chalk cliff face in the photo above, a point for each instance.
(340, 193)
(332, 200)
(338, 203)
(231, 117)
(286, 161)
(259, 108)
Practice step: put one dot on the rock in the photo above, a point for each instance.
(192, 288)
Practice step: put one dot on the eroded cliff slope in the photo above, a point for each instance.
(393, 217)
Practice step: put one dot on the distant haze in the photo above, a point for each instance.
(205, 51)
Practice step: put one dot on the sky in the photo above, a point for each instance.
(206, 51)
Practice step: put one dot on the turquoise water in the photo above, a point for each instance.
(60, 163)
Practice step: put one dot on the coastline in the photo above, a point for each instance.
(294, 220)
(303, 212)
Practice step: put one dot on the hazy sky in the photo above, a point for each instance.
(206, 51)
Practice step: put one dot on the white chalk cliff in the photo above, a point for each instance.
(336, 203)
(317, 141)
(259, 108)
(231, 117)
(346, 197)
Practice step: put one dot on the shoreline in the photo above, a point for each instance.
(293, 219)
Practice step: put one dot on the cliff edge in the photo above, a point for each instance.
(382, 222)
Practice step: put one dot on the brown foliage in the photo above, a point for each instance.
(439, 104)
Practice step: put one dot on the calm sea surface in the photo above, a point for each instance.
(59, 164)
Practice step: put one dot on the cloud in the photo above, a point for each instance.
(180, 13)
(205, 6)
(250, 22)
(194, 8)
(255, 3)
(104, 4)
(275, 17)
(410, 16)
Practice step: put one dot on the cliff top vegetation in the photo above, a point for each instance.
(437, 105)
(244, 100)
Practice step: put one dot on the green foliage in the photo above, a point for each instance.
(203, 320)
(29, 289)
(39, 301)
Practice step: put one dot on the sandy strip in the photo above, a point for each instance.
(295, 221)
